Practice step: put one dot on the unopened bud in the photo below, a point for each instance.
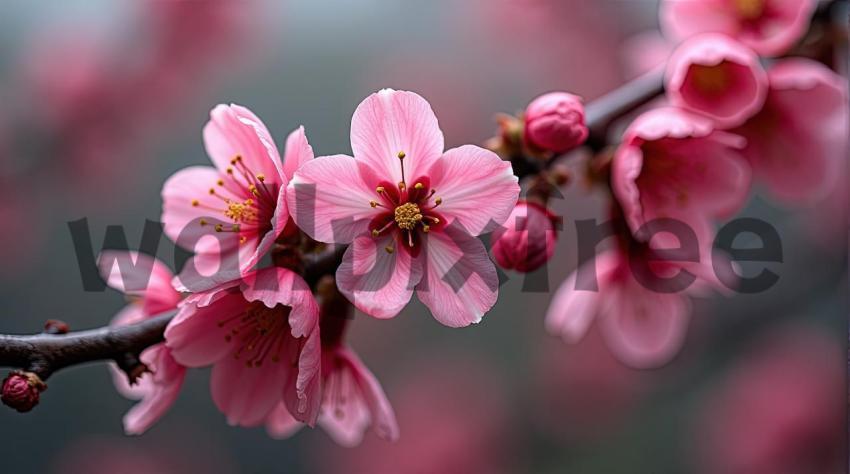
(528, 239)
(555, 122)
(21, 390)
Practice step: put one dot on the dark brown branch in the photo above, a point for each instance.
(44, 354)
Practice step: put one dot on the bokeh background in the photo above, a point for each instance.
(103, 100)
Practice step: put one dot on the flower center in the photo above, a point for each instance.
(247, 213)
(710, 79)
(749, 9)
(407, 215)
(407, 208)
(259, 332)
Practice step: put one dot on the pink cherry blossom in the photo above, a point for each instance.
(555, 122)
(644, 326)
(770, 27)
(352, 402)
(528, 239)
(261, 336)
(797, 142)
(675, 164)
(147, 283)
(718, 77)
(780, 410)
(231, 214)
(352, 398)
(409, 210)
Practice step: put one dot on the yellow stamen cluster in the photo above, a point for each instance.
(407, 215)
(241, 211)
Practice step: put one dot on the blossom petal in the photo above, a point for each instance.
(191, 227)
(460, 282)
(140, 275)
(329, 200)
(280, 424)
(377, 282)
(365, 403)
(277, 285)
(168, 378)
(573, 309)
(194, 336)
(234, 130)
(477, 188)
(389, 122)
(645, 329)
(298, 151)
(246, 395)
(797, 142)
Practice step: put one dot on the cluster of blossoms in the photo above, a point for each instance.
(730, 117)
(410, 213)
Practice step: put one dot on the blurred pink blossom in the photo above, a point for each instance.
(782, 410)
(261, 336)
(527, 239)
(718, 77)
(352, 398)
(676, 164)
(645, 326)
(147, 284)
(797, 142)
(409, 210)
(770, 27)
(242, 198)
(352, 402)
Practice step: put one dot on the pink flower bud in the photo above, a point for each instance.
(555, 122)
(528, 239)
(21, 390)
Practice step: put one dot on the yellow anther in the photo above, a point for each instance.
(426, 228)
(235, 228)
(220, 182)
(375, 232)
(436, 221)
(401, 155)
(203, 222)
(243, 239)
(261, 177)
(401, 185)
(380, 189)
(218, 228)
(249, 202)
(212, 191)
(438, 201)
(229, 170)
(418, 186)
(389, 248)
(373, 203)
(195, 202)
